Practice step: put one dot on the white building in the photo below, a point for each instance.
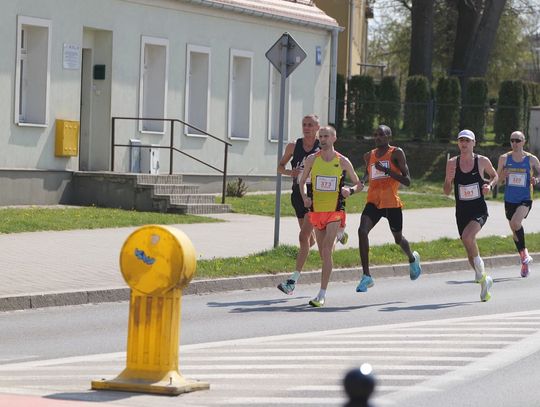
(200, 61)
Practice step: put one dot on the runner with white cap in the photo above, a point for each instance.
(466, 172)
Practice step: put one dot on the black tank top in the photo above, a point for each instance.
(299, 155)
(468, 190)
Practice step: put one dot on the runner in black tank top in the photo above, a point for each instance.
(470, 201)
(466, 172)
(297, 161)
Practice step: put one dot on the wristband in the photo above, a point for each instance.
(351, 191)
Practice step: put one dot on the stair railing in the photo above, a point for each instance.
(171, 147)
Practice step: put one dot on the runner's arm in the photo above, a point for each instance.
(501, 171)
(281, 169)
(398, 156)
(307, 173)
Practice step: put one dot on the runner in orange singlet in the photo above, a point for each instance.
(386, 169)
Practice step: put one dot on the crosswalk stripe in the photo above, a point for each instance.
(334, 357)
(388, 341)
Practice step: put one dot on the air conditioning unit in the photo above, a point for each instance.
(150, 160)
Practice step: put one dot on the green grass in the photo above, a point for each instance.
(16, 220)
(265, 204)
(282, 259)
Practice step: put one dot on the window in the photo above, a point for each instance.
(153, 83)
(274, 88)
(197, 89)
(240, 82)
(32, 71)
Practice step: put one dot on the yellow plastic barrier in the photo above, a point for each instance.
(156, 262)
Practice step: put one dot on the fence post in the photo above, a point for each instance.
(171, 149)
(224, 174)
(112, 143)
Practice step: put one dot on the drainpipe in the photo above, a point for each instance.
(333, 76)
(350, 44)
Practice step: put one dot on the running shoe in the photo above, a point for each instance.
(524, 270)
(486, 283)
(365, 283)
(287, 287)
(343, 238)
(525, 261)
(414, 268)
(317, 302)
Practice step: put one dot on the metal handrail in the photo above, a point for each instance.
(171, 146)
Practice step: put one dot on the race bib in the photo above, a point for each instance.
(469, 192)
(326, 184)
(376, 174)
(517, 179)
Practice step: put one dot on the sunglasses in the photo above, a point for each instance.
(515, 140)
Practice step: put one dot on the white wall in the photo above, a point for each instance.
(181, 24)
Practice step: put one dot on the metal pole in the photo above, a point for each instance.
(112, 145)
(171, 149)
(277, 212)
(223, 188)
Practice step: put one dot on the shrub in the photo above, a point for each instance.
(509, 113)
(417, 100)
(389, 103)
(473, 110)
(236, 188)
(447, 118)
(361, 103)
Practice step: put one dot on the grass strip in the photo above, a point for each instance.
(282, 259)
(33, 219)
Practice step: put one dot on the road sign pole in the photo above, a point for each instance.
(277, 211)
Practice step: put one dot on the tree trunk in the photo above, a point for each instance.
(484, 39)
(421, 38)
(468, 19)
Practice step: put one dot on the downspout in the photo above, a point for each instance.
(333, 76)
(350, 40)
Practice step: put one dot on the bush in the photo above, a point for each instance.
(417, 101)
(447, 118)
(389, 103)
(236, 188)
(361, 103)
(509, 113)
(473, 110)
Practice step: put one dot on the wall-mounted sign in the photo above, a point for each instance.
(71, 56)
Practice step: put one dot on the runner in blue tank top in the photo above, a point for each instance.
(466, 172)
(515, 169)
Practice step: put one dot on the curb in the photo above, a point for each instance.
(55, 299)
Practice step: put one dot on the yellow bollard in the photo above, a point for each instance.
(157, 262)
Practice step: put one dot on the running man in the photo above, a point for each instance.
(466, 172)
(326, 170)
(297, 152)
(515, 169)
(386, 169)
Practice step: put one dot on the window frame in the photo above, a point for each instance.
(240, 54)
(19, 99)
(149, 40)
(192, 48)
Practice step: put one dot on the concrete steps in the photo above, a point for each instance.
(171, 195)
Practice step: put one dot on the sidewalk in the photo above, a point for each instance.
(81, 266)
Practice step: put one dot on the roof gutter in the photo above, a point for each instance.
(333, 76)
(262, 14)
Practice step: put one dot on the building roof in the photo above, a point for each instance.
(302, 12)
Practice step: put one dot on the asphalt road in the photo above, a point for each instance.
(496, 378)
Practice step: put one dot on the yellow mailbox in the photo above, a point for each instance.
(67, 138)
(156, 262)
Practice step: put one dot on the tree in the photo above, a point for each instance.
(421, 38)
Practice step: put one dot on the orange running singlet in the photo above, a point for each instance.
(383, 189)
